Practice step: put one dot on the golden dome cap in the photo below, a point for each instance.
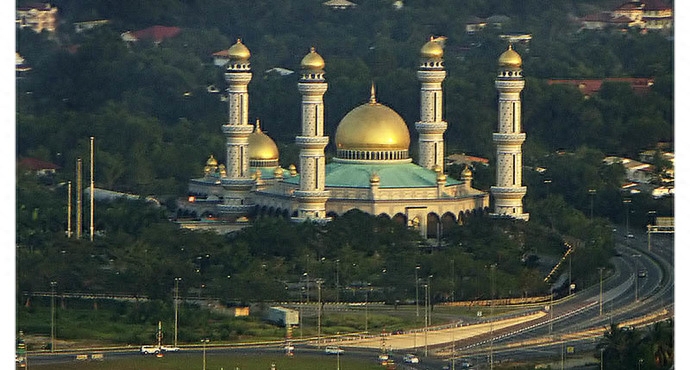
(466, 172)
(312, 61)
(374, 178)
(239, 51)
(432, 49)
(262, 147)
(292, 169)
(510, 58)
(372, 126)
(211, 161)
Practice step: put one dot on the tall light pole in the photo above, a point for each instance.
(203, 342)
(637, 278)
(426, 319)
(53, 284)
(416, 283)
(337, 281)
(491, 343)
(366, 308)
(601, 290)
(627, 202)
(429, 298)
(177, 302)
(318, 337)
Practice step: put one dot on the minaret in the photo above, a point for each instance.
(431, 126)
(238, 182)
(312, 194)
(508, 192)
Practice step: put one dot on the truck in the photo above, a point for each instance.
(282, 316)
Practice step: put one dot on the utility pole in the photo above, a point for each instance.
(177, 303)
(416, 283)
(601, 290)
(491, 344)
(91, 190)
(318, 337)
(53, 284)
(69, 209)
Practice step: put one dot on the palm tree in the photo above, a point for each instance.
(659, 338)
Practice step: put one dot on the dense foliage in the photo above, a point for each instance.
(155, 123)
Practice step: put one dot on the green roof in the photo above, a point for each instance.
(398, 175)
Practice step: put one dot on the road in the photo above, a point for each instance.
(575, 323)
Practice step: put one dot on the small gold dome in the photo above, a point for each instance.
(374, 178)
(239, 51)
(262, 147)
(466, 172)
(293, 170)
(278, 172)
(312, 61)
(372, 126)
(211, 161)
(432, 49)
(510, 58)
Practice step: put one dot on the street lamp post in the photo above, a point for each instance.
(366, 308)
(491, 342)
(592, 193)
(203, 364)
(601, 290)
(426, 320)
(637, 278)
(429, 298)
(318, 337)
(337, 281)
(53, 284)
(627, 202)
(177, 302)
(416, 283)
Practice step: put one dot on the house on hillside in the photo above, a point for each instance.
(339, 4)
(644, 14)
(80, 27)
(589, 87)
(156, 34)
(37, 17)
(37, 167)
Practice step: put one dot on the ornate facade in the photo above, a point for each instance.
(372, 170)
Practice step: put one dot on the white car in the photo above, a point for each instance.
(333, 350)
(150, 350)
(170, 349)
(410, 359)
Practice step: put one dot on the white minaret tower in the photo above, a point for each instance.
(431, 125)
(508, 192)
(312, 194)
(238, 181)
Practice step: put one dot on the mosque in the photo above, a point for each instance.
(372, 170)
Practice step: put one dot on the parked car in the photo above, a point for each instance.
(410, 359)
(334, 350)
(642, 273)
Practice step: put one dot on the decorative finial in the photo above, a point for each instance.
(510, 46)
(312, 50)
(372, 98)
(258, 126)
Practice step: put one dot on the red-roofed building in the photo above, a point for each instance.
(588, 87)
(156, 34)
(37, 166)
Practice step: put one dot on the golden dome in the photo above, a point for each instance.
(372, 126)
(239, 51)
(432, 49)
(313, 61)
(211, 161)
(293, 170)
(466, 172)
(510, 58)
(262, 147)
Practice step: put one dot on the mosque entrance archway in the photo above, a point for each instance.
(400, 218)
(434, 227)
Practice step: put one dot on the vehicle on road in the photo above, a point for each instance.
(410, 359)
(170, 349)
(334, 350)
(150, 350)
(642, 273)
